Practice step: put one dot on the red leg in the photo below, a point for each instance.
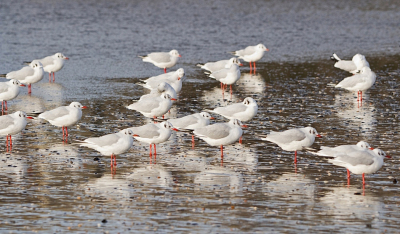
(66, 131)
(240, 140)
(54, 77)
(155, 150)
(6, 105)
(231, 90)
(295, 157)
(363, 179)
(193, 141)
(49, 77)
(63, 132)
(150, 150)
(10, 142)
(254, 67)
(115, 160)
(165, 70)
(29, 88)
(360, 96)
(222, 151)
(348, 174)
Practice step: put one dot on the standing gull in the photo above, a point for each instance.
(12, 124)
(219, 65)
(64, 116)
(172, 78)
(8, 91)
(162, 59)
(153, 107)
(227, 76)
(28, 75)
(293, 139)
(251, 54)
(53, 63)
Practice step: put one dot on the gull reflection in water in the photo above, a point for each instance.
(357, 116)
(291, 186)
(216, 178)
(213, 97)
(62, 154)
(13, 168)
(108, 187)
(152, 175)
(251, 83)
(241, 156)
(343, 202)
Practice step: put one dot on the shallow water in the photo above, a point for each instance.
(50, 186)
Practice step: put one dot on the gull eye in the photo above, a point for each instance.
(310, 132)
(313, 132)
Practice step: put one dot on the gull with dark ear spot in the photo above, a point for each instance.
(219, 65)
(153, 107)
(162, 59)
(12, 124)
(64, 116)
(28, 75)
(111, 144)
(360, 161)
(221, 134)
(342, 149)
(293, 139)
(53, 63)
(227, 76)
(154, 133)
(8, 91)
(251, 54)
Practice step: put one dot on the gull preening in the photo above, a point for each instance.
(353, 66)
(154, 133)
(111, 144)
(359, 82)
(53, 63)
(251, 54)
(8, 91)
(221, 134)
(153, 107)
(293, 139)
(64, 116)
(162, 59)
(219, 65)
(12, 124)
(29, 74)
(162, 87)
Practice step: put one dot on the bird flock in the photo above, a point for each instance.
(358, 159)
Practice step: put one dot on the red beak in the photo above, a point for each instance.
(244, 126)
(66, 58)
(173, 99)
(318, 135)
(84, 107)
(179, 78)
(22, 85)
(180, 55)
(241, 64)
(267, 49)
(28, 117)
(212, 118)
(175, 129)
(135, 135)
(388, 156)
(371, 148)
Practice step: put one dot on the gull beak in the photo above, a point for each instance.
(371, 148)
(22, 85)
(180, 56)
(84, 107)
(240, 64)
(28, 117)
(66, 58)
(388, 156)
(173, 99)
(244, 126)
(212, 118)
(179, 78)
(175, 129)
(267, 49)
(318, 135)
(135, 135)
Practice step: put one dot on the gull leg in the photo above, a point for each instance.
(192, 141)
(6, 105)
(254, 67)
(155, 150)
(363, 179)
(54, 77)
(240, 140)
(165, 70)
(29, 88)
(49, 77)
(348, 174)
(150, 150)
(295, 157)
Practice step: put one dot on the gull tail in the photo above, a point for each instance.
(26, 62)
(3, 75)
(200, 64)
(335, 58)
(331, 85)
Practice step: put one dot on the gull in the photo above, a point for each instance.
(111, 144)
(29, 74)
(162, 59)
(251, 54)
(153, 107)
(154, 133)
(162, 87)
(12, 124)
(353, 66)
(64, 116)
(8, 91)
(358, 82)
(221, 134)
(360, 161)
(53, 63)
(219, 65)
(172, 78)
(190, 122)
(293, 139)
(227, 76)
(343, 149)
